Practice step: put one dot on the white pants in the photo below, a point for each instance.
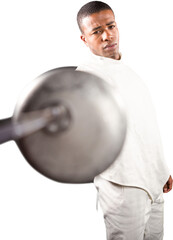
(129, 213)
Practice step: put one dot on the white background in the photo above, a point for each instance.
(36, 36)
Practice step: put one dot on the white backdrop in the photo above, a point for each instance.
(39, 35)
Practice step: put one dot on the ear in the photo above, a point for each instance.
(83, 38)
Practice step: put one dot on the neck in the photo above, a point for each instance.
(116, 56)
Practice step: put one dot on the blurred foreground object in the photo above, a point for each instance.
(69, 125)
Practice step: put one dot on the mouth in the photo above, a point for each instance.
(110, 46)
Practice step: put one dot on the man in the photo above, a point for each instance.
(130, 190)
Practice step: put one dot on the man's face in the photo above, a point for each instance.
(100, 34)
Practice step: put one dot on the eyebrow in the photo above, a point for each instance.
(110, 23)
(96, 28)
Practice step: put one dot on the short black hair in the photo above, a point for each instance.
(90, 8)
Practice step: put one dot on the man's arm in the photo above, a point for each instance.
(168, 186)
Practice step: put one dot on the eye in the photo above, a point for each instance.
(97, 32)
(111, 27)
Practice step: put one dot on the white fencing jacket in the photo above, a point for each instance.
(141, 162)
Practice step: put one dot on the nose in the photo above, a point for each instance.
(106, 36)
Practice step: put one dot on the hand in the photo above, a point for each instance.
(168, 186)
